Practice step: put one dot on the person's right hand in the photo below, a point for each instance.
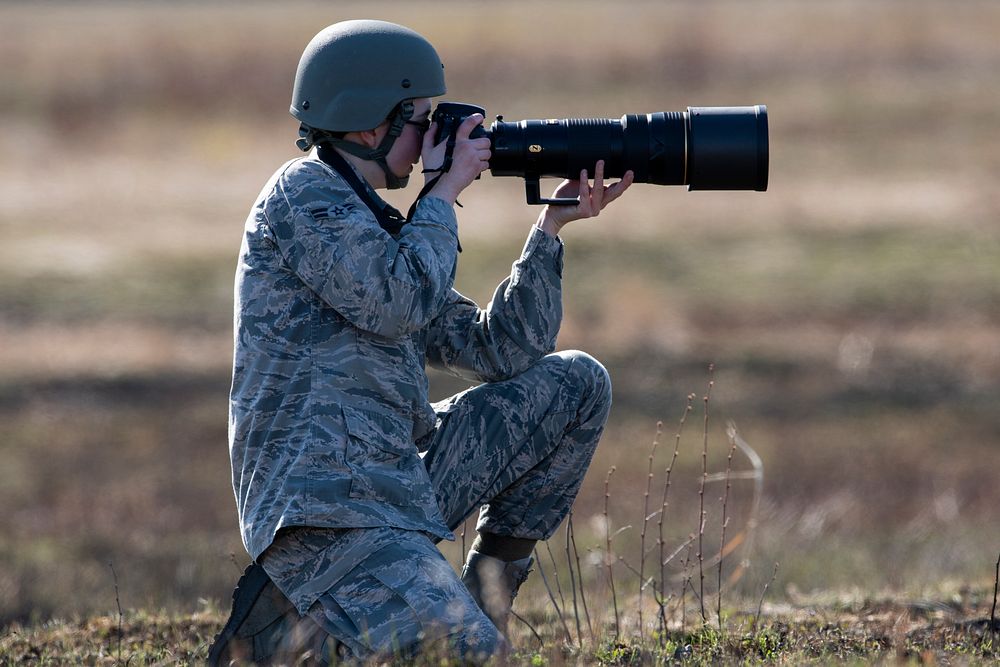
(469, 159)
(592, 200)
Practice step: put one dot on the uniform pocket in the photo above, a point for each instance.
(406, 595)
(370, 617)
(380, 455)
(379, 436)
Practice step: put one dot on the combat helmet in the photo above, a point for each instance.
(353, 76)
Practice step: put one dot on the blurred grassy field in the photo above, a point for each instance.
(851, 312)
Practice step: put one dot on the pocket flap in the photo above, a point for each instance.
(384, 430)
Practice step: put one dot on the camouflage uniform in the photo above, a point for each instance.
(339, 458)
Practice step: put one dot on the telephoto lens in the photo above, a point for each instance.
(705, 148)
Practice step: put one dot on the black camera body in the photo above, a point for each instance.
(705, 148)
(449, 115)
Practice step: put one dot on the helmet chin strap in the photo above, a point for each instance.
(397, 121)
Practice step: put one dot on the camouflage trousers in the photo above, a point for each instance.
(518, 451)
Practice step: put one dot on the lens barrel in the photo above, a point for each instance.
(705, 148)
(727, 148)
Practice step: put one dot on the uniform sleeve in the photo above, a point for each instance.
(516, 329)
(389, 287)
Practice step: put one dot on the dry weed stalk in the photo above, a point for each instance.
(725, 522)
(993, 612)
(701, 495)
(541, 642)
(552, 598)
(572, 582)
(608, 557)
(555, 574)
(663, 510)
(686, 580)
(118, 602)
(579, 570)
(743, 538)
(760, 603)
(645, 521)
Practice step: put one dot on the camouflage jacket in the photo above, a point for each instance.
(334, 322)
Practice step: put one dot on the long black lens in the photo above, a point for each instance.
(705, 148)
(727, 148)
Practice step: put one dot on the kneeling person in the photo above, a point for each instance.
(345, 475)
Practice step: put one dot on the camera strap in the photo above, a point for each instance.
(429, 185)
(449, 151)
(389, 219)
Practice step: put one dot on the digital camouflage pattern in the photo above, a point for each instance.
(334, 321)
(405, 599)
(332, 436)
(398, 596)
(519, 448)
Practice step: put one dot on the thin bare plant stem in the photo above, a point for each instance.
(541, 642)
(686, 572)
(118, 601)
(579, 570)
(694, 591)
(687, 543)
(645, 521)
(701, 496)
(686, 581)
(572, 582)
(993, 611)
(725, 521)
(552, 598)
(609, 558)
(629, 567)
(663, 512)
(555, 575)
(662, 604)
(760, 603)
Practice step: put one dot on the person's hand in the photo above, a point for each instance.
(469, 159)
(592, 199)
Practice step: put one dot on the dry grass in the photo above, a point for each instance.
(877, 630)
(851, 311)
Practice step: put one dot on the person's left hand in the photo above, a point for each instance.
(470, 158)
(592, 199)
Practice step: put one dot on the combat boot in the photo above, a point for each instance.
(493, 584)
(265, 628)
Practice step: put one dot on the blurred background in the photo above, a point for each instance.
(852, 312)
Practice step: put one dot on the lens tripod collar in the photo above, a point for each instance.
(533, 193)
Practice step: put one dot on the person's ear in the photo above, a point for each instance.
(373, 138)
(369, 137)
